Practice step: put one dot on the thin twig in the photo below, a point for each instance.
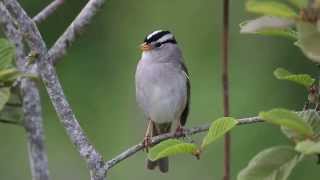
(17, 105)
(191, 131)
(9, 122)
(52, 84)
(31, 103)
(47, 11)
(80, 22)
(225, 83)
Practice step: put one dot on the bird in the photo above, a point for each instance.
(162, 89)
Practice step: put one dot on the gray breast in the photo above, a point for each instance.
(161, 90)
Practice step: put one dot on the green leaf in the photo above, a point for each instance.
(308, 147)
(4, 96)
(310, 117)
(287, 33)
(299, 3)
(270, 26)
(270, 8)
(7, 53)
(217, 129)
(8, 75)
(169, 148)
(302, 79)
(309, 40)
(275, 163)
(288, 119)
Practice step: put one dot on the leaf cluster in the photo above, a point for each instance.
(293, 19)
(10, 102)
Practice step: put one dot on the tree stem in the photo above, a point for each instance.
(225, 84)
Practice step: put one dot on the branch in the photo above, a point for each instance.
(155, 140)
(47, 11)
(31, 103)
(51, 82)
(225, 85)
(77, 26)
(9, 122)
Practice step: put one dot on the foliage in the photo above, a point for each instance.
(274, 163)
(303, 128)
(8, 75)
(287, 119)
(308, 40)
(281, 20)
(308, 147)
(302, 79)
(171, 147)
(217, 129)
(299, 3)
(270, 8)
(312, 118)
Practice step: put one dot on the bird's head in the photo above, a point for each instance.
(159, 43)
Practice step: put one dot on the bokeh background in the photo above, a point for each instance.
(98, 77)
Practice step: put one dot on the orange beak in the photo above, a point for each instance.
(145, 47)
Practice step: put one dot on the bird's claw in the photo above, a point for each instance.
(179, 132)
(147, 143)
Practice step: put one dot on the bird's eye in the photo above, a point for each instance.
(157, 44)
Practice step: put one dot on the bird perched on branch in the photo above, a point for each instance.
(162, 88)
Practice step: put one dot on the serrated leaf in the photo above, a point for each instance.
(288, 119)
(7, 53)
(275, 163)
(169, 148)
(309, 40)
(4, 96)
(217, 129)
(302, 79)
(299, 3)
(270, 26)
(308, 147)
(11, 74)
(312, 118)
(270, 8)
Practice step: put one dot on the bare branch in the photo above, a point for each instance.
(77, 26)
(47, 11)
(56, 94)
(31, 103)
(225, 85)
(9, 122)
(195, 130)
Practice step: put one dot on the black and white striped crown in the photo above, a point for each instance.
(160, 36)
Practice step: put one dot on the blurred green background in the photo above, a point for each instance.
(98, 78)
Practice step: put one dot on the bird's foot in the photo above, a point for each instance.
(179, 131)
(147, 143)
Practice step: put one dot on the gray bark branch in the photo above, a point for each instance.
(155, 140)
(31, 103)
(47, 11)
(51, 82)
(80, 22)
(45, 60)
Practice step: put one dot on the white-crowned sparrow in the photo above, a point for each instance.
(162, 88)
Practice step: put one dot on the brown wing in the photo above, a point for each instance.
(184, 115)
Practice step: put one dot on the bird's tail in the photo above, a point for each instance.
(162, 163)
